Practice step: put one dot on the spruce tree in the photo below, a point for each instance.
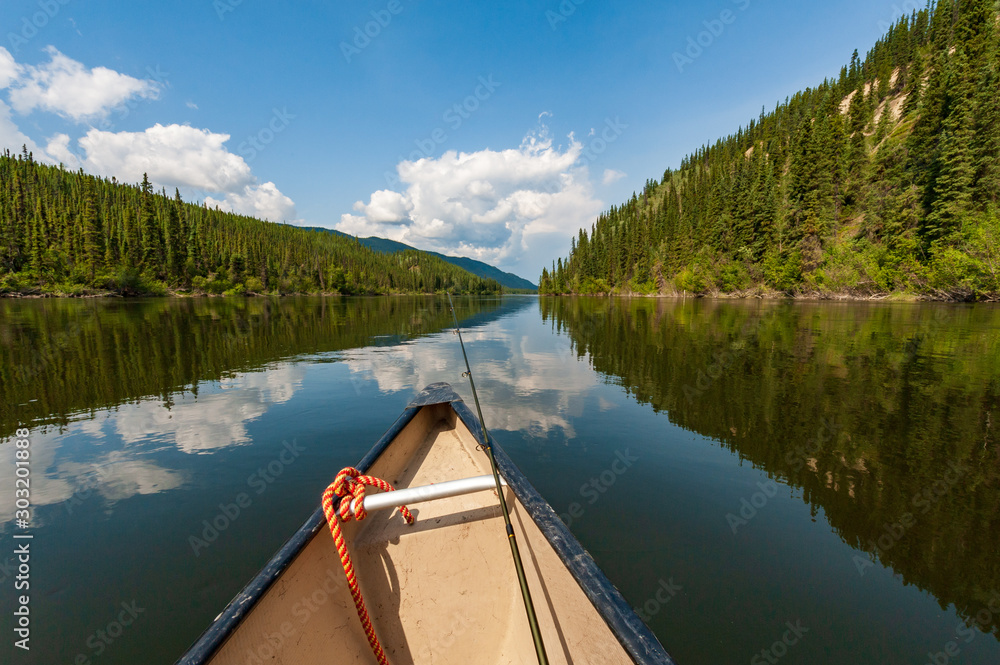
(952, 191)
(93, 233)
(176, 245)
(38, 240)
(151, 232)
(914, 85)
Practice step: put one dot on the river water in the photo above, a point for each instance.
(802, 482)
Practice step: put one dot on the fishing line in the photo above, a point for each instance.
(529, 608)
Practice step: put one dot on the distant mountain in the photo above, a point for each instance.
(478, 268)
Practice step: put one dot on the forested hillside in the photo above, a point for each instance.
(70, 233)
(508, 280)
(883, 180)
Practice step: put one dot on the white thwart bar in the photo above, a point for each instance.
(410, 495)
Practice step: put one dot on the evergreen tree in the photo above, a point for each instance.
(93, 233)
(151, 233)
(176, 245)
(952, 192)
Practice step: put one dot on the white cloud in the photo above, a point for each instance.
(58, 148)
(610, 176)
(525, 384)
(263, 201)
(9, 70)
(11, 137)
(67, 88)
(175, 155)
(210, 421)
(191, 105)
(116, 475)
(185, 157)
(489, 205)
(386, 206)
(194, 160)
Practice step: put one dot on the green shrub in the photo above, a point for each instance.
(733, 276)
(125, 282)
(14, 282)
(693, 279)
(67, 288)
(154, 287)
(217, 285)
(254, 285)
(783, 272)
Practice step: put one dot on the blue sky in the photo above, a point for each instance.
(489, 130)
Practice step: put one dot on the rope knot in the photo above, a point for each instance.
(349, 487)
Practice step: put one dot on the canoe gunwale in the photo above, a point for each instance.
(634, 636)
(240, 606)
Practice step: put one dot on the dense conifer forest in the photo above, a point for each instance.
(69, 233)
(884, 180)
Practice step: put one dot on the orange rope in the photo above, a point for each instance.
(349, 485)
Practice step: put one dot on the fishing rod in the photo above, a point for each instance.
(529, 608)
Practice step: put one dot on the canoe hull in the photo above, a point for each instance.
(442, 590)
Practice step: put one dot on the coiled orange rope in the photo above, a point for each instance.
(349, 485)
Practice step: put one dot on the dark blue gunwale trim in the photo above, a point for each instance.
(632, 633)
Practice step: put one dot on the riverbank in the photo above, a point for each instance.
(40, 294)
(771, 294)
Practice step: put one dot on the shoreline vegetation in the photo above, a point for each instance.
(883, 182)
(762, 292)
(75, 292)
(65, 233)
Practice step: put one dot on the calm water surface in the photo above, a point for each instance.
(833, 468)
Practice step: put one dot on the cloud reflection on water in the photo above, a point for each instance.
(214, 419)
